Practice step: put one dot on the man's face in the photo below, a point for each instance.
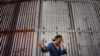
(58, 41)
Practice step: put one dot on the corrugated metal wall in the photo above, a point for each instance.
(25, 23)
(17, 28)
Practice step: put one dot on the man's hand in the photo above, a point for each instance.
(41, 45)
(67, 47)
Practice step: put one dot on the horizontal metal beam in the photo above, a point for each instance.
(17, 30)
(16, 1)
(65, 30)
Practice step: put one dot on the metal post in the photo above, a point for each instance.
(74, 44)
(39, 25)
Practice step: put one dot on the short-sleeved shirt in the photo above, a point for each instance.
(53, 50)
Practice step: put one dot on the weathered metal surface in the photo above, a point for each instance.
(77, 21)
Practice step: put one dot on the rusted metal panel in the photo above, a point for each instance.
(17, 28)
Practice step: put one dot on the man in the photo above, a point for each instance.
(54, 47)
